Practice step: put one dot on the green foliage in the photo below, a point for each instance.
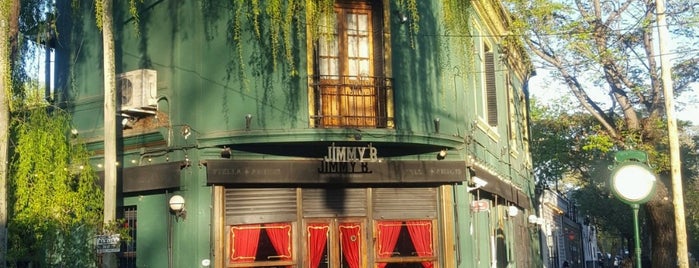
(569, 147)
(413, 16)
(280, 16)
(55, 206)
(563, 143)
(456, 21)
(5, 61)
(692, 212)
(99, 12)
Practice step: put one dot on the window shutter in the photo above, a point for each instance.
(491, 92)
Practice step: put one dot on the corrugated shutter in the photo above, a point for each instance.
(491, 89)
(405, 203)
(328, 203)
(244, 206)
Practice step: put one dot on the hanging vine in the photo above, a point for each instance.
(99, 11)
(282, 16)
(53, 195)
(413, 17)
(456, 20)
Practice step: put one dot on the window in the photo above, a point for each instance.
(127, 255)
(405, 244)
(260, 245)
(349, 89)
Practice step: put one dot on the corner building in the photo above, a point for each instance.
(382, 136)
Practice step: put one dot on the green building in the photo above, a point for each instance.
(388, 134)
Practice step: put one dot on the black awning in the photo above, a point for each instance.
(148, 178)
(320, 172)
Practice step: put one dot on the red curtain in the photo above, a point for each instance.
(421, 235)
(350, 239)
(243, 243)
(317, 240)
(388, 236)
(280, 236)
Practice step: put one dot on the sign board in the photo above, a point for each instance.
(107, 243)
(480, 205)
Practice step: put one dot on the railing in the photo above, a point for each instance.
(351, 101)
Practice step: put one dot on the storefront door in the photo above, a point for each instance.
(335, 243)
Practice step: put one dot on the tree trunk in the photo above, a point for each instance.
(9, 19)
(660, 215)
(110, 167)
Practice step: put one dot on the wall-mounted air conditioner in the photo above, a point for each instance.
(138, 90)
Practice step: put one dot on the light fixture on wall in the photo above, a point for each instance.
(226, 152)
(402, 16)
(442, 154)
(512, 211)
(177, 206)
(248, 121)
(436, 125)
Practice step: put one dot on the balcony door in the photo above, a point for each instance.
(347, 83)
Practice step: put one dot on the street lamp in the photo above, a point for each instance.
(633, 182)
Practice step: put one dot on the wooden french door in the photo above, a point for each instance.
(345, 51)
(335, 243)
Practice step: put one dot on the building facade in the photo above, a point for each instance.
(566, 236)
(378, 136)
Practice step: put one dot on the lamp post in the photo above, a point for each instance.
(633, 182)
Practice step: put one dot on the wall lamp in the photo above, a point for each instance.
(442, 154)
(226, 152)
(177, 206)
(477, 183)
(436, 125)
(248, 121)
(512, 211)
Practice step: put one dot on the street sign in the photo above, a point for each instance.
(107, 243)
(480, 205)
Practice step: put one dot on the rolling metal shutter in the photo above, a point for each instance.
(329, 203)
(405, 203)
(260, 205)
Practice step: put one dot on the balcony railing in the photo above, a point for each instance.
(351, 101)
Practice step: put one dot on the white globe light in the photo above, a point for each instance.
(633, 183)
(176, 203)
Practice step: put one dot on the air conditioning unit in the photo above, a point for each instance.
(138, 90)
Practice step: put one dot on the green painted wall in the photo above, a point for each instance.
(205, 84)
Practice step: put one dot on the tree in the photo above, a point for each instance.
(608, 46)
(55, 202)
(571, 156)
